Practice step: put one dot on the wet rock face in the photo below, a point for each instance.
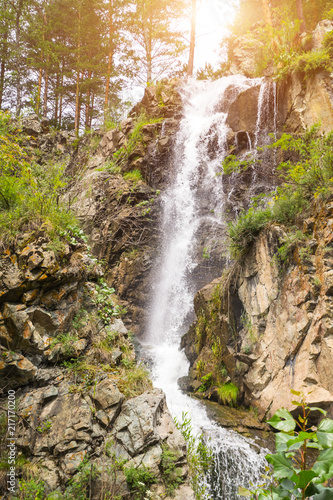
(243, 112)
(293, 348)
(275, 333)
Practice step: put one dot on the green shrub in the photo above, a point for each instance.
(106, 309)
(293, 239)
(199, 456)
(135, 380)
(66, 341)
(121, 156)
(206, 382)
(311, 176)
(310, 62)
(44, 427)
(228, 393)
(31, 489)
(139, 479)
(171, 475)
(293, 475)
(328, 42)
(79, 485)
(29, 192)
(134, 175)
(246, 228)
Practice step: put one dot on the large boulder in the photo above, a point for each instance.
(304, 104)
(243, 111)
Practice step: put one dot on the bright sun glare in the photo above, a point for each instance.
(213, 18)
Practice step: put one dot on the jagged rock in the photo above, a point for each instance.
(49, 474)
(319, 33)
(109, 143)
(31, 125)
(15, 370)
(108, 398)
(151, 459)
(282, 323)
(145, 421)
(304, 104)
(117, 326)
(244, 53)
(72, 461)
(39, 296)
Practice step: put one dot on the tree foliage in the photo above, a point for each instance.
(70, 60)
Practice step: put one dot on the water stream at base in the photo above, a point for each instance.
(191, 201)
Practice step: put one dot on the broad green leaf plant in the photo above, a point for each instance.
(294, 476)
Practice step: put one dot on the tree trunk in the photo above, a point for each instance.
(56, 96)
(46, 78)
(87, 120)
(77, 91)
(110, 60)
(192, 39)
(267, 12)
(18, 56)
(4, 54)
(39, 90)
(46, 88)
(92, 108)
(300, 15)
(59, 119)
(149, 51)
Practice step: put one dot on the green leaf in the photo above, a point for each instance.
(282, 442)
(312, 489)
(296, 403)
(327, 494)
(243, 492)
(283, 467)
(302, 436)
(314, 408)
(303, 478)
(314, 445)
(283, 421)
(295, 393)
(325, 433)
(324, 465)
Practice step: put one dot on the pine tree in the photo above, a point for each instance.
(158, 43)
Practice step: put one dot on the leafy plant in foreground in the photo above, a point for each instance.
(294, 476)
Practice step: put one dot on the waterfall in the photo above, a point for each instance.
(266, 119)
(193, 201)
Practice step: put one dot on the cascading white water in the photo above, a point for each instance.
(193, 198)
(264, 123)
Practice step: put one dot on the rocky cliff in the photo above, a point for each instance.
(83, 406)
(269, 324)
(264, 327)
